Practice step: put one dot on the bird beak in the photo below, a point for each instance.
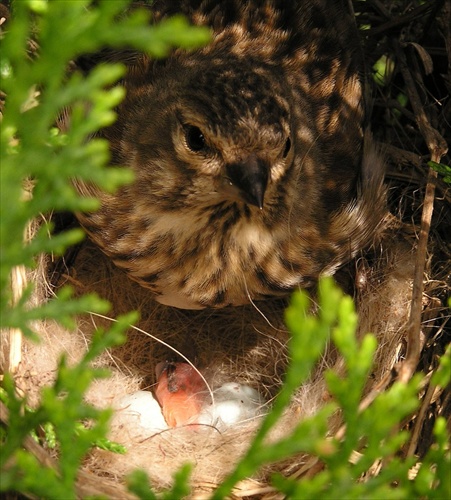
(250, 177)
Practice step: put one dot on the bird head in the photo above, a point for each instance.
(212, 135)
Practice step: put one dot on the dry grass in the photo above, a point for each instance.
(401, 290)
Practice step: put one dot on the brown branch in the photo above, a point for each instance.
(393, 103)
(399, 21)
(380, 7)
(437, 148)
(409, 365)
(419, 422)
(435, 142)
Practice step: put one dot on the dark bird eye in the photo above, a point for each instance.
(287, 148)
(195, 139)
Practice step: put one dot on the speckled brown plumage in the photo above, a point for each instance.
(253, 171)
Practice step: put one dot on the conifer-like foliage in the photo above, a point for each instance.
(38, 164)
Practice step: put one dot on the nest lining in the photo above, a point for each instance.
(248, 344)
(244, 344)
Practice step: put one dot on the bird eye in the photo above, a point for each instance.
(195, 139)
(287, 148)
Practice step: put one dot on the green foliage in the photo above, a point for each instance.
(38, 166)
(383, 70)
(373, 432)
(61, 404)
(138, 483)
(33, 152)
(39, 90)
(444, 170)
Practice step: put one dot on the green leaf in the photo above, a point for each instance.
(442, 169)
(138, 483)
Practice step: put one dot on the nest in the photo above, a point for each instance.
(400, 289)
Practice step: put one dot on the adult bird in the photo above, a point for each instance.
(253, 171)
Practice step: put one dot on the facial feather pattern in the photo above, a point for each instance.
(254, 175)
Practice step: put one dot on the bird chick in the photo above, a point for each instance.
(253, 172)
(181, 393)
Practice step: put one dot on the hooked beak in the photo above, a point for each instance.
(250, 177)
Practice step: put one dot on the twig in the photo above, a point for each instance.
(399, 21)
(393, 103)
(420, 420)
(409, 365)
(18, 284)
(437, 147)
(380, 7)
(18, 279)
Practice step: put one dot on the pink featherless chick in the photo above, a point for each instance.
(181, 392)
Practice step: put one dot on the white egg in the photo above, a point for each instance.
(234, 404)
(139, 415)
